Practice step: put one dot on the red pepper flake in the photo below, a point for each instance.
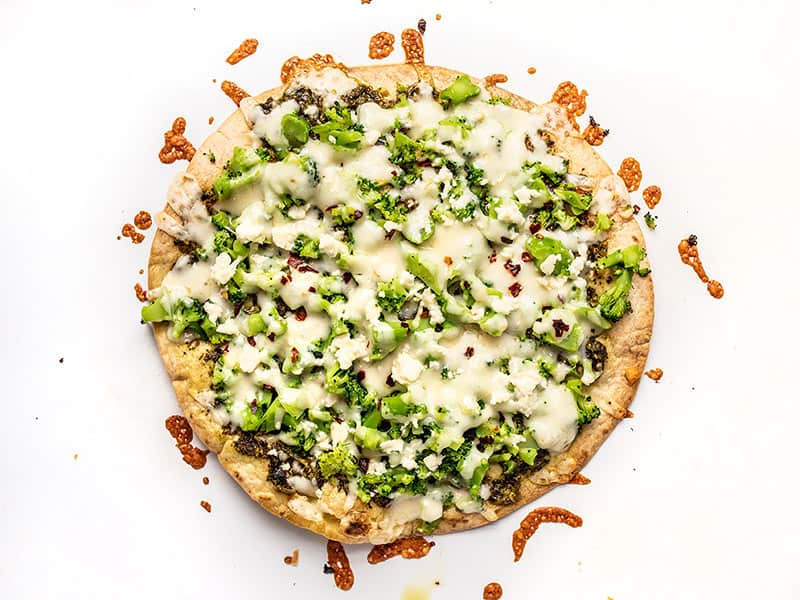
(512, 268)
(415, 547)
(129, 231)
(306, 269)
(493, 256)
(141, 271)
(143, 220)
(293, 559)
(630, 171)
(300, 314)
(495, 78)
(181, 431)
(655, 374)
(529, 525)
(176, 146)
(534, 228)
(526, 257)
(515, 288)
(284, 280)
(338, 562)
(469, 352)
(141, 293)
(493, 591)
(413, 46)
(690, 255)
(205, 480)
(531, 70)
(245, 49)
(233, 91)
(61, 360)
(560, 327)
(572, 101)
(594, 134)
(295, 355)
(251, 340)
(294, 261)
(652, 196)
(381, 45)
(580, 479)
(206, 505)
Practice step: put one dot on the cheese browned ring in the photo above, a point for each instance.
(627, 343)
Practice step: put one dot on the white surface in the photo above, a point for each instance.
(696, 497)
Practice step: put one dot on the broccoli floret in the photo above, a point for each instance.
(614, 303)
(339, 130)
(603, 223)
(344, 215)
(294, 129)
(650, 220)
(394, 480)
(391, 296)
(461, 90)
(388, 208)
(306, 247)
(345, 383)
(628, 257)
(587, 410)
(337, 462)
(542, 248)
(243, 169)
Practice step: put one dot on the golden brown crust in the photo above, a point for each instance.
(627, 343)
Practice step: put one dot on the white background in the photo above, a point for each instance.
(696, 497)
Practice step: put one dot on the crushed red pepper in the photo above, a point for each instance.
(687, 249)
(652, 196)
(414, 48)
(181, 431)
(129, 231)
(337, 561)
(515, 288)
(571, 100)
(233, 91)
(655, 374)
(176, 146)
(529, 525)
(141, 293)
(245, 49)
(594, 134)
(580, 479)
(492, 591)
(495, 78)
(143, 220)
(381, 45)
(630, 171)
(415, 547)
(206, 505)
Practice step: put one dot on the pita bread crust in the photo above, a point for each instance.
(627, 344)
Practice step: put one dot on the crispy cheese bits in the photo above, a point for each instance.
(143, 220)
(689, 254)
(416, 547)
(652, 196)
(580, 479)
(492, 591)
(381, 45)
(529, 525)
(129, 231)
(655, 374)
(495, 78)
(234, 92)
(571, 100)
(181, 431)
(176, 146)
(594, 134)
(337, 561)
(245, 49)
(630, 171)
(411, 39)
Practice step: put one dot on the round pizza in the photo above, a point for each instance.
(398, 300)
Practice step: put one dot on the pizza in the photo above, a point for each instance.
(398, 300)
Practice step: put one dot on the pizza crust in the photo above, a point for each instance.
(627, 344)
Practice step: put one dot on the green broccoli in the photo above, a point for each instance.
(603, 223)
(650, 220)
(339, 129)
(337, 462)
(540, 248)
(343, 214)
(391, 296)
(461, 90)
(295, 129)
(614, 301)
(306, 247)
(243, 169)
(345, 383)
(587, 409)
(393, 480)
(628, 257)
